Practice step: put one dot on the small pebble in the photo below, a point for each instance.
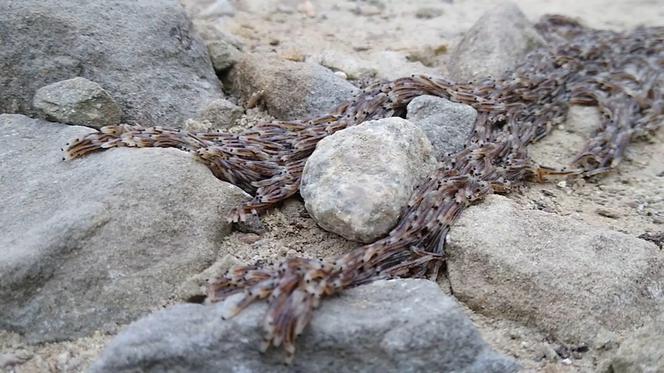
(248, 238)
(428, 13)
(609, 213)
(547, 193)
(307, 7)
(341, 74)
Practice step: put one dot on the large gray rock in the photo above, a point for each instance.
(95, 242)
(358, 180)
(77, 101)
(386, 326)
(496, 43)
(446, 124)
(143, 52)
(289, 90)
(581, 284)
(643, 352)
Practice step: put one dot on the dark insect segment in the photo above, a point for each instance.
(620, 73)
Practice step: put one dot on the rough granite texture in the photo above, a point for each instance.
(223, 55)
(288, 89)
(386, 326)
(95, 242)
(642, 352)
(77, 101)
(358, 180)
(496, 43)
(577, 282)
(221, 114)
(445, 123)
(143, 52)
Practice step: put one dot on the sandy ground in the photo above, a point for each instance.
(419, 34)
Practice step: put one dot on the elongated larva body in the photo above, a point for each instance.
(620, 73)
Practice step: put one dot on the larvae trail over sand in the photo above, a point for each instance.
(620, 73)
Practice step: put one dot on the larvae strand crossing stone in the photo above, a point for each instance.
(620, 73)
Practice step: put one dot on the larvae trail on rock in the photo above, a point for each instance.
(620, 73)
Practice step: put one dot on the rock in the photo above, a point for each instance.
(211, 31)
(77, 101)
(95, 242)
(194, 289)
(341, 74)
(224, 48)
(368, 10)
(391, 65)
(573, 281)
(430, 55)
(428, 12)
(354, 68)
(223, 54)
(380, 65)
(193, 125)
(496, 43)
(640, 353)
(218, 115)
(290, 90)
(222, 113)
(143, 52)
(357, 181)
(445, 123)
(656, 238)
(386, 326)
(10, 360)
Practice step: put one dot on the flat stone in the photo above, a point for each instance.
(385, 326)
(574, 281)
(77, 101)
(353, 67)
(97, 242)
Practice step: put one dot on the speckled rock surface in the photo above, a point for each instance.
(642, 352)
(577, 282)
(357, 181)
(77, 101)
(143, 52)
(446, 124)
(288, 89)
(386, 326)
(221, 113)
(97, 242)
(497, 42)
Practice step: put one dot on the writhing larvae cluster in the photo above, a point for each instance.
(620, 73)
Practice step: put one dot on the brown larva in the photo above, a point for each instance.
(620, 73)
